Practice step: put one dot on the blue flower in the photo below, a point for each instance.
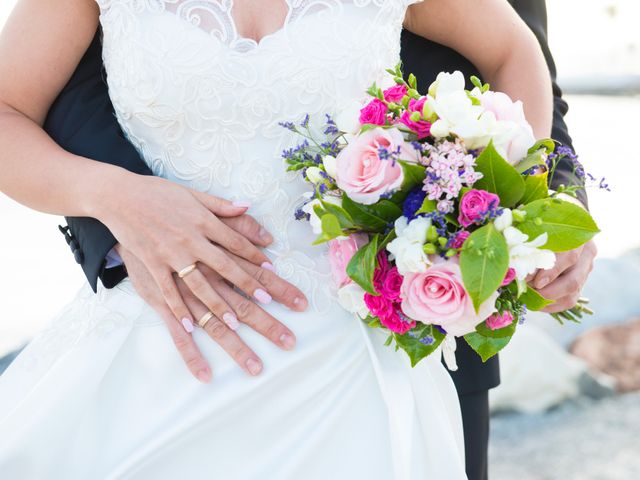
(413, 202)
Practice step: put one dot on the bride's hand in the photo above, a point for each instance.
(222, 333)
(169, 227)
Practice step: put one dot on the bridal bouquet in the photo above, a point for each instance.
(436, 209)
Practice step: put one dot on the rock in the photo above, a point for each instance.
(538, 374)
(614, 350)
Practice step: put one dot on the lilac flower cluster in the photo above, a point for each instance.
(449, 169)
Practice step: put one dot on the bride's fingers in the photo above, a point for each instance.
(223, 336)
(259, 320)
(187, 348)
(282, 291)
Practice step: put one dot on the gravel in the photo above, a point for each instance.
(581, 440)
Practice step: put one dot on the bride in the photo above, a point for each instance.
(199, 87)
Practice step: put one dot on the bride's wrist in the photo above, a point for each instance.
(107, 193)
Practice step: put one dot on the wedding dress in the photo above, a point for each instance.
(102, 392)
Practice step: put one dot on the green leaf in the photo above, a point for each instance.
(364, 216)
(345, 220)
(535, 188)
(484, 262)
(413, 175)
(486, 347)
(532, 160)
(363, 264)
(568, 226)
(385, 209)
(389, 237)
(414, 347)
(507, 331)
(533, 300)
(499, 177)
(330, 229)
(546, 144)
(428, 206)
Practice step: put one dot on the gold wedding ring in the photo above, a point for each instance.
(205, 319)
(187, 270)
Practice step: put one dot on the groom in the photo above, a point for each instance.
(82, 121)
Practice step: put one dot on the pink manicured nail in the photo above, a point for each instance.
(204, 375)
(288, 341)
(264, 235)
(241, 204)
(262, 296)
(254, 367)
(231, 321)
(187, 324)
(268, 266)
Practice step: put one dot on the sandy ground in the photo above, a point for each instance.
(586, 440)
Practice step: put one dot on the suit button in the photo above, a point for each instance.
(77, 254)
(73, 243)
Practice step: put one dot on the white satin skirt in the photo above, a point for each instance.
(103, 394)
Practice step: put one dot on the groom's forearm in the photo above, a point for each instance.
(534, 14)
(82, 121)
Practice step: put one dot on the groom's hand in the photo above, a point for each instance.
(222, 333)
(564, 282)
(169, 227)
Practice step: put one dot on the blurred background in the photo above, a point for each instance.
(569, 405)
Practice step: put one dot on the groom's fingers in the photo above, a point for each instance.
(249, 227)
(564, 261)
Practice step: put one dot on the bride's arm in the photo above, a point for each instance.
(495, 39)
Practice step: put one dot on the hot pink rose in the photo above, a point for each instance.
(459, 239)
(340, 253)
(509, 277)
(391, 285)
(422, 128)
(381, 271)
(375, 112)
(438, 297)
(515, 142)
(474, 204)
(395, 93)
(498, 321)
(395, 322)
(378, 305)
(362, 174)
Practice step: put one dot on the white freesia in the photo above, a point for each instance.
(525, 257)
(314, 220)
(351, 298)
(314, 174)
(348, 119)
(504, 220)
(447, 83)
(407, 247)
(330, 164)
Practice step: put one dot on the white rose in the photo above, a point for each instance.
(348, 119)
(504, 220)
(351, 298)
(329, 163)
(406, 248)
(314, 174)
(526, 257)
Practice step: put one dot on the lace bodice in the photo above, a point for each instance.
(202, 104)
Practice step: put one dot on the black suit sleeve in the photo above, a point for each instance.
(82, 121)
(534, 14)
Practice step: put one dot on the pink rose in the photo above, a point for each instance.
(517, 140)
(340, 253)
(459, 239)
(395, 93)
(509, 277)
(438, 297)
(391, 285)
(498, 321)
(362, 174)
(375, 112)
(475, 204)
(381, 271)
(422, 128)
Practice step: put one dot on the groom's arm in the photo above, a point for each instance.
(534, 13)
(82, 121)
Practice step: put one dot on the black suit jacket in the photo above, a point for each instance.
(82, 121)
